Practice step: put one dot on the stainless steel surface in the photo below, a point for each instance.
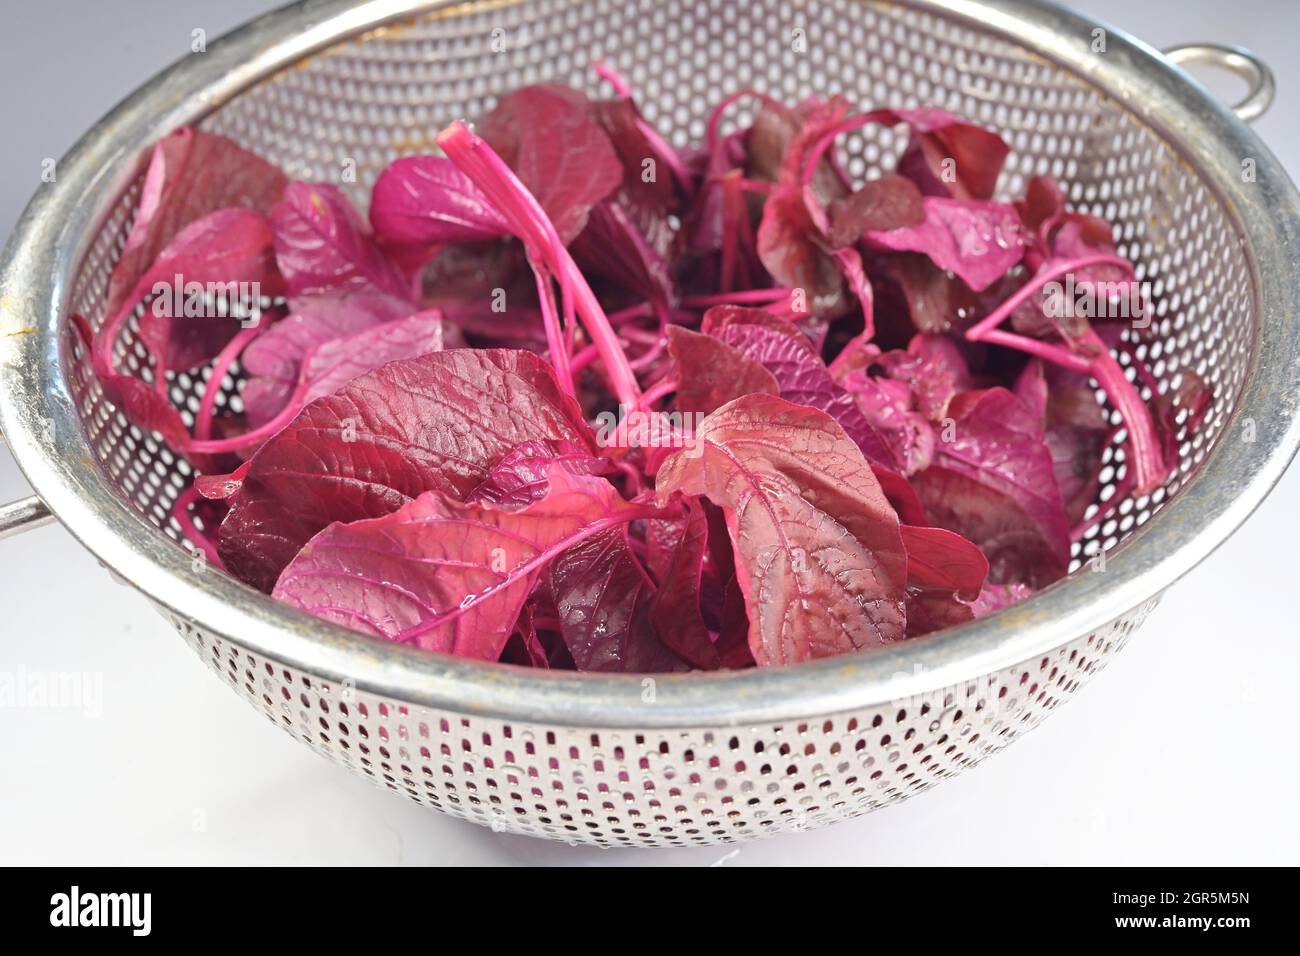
(700, 758)
(1261, 86)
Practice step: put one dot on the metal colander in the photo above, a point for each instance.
(324, 88)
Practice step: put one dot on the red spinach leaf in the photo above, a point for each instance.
(798, 370)
(547, 136)
(228, 255)
(944, 572)
(603, 596)
(323, 245)
(678, 608)
(426, 200)
(523, 475)
(818, 550)
(992, 482)
(436, 423)
(948, 157)
(274, 360)
(891, 202)
(977, 240)
(711, 373)
(443, 574)
(191, 174)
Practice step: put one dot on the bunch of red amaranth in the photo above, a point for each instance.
(576, 398)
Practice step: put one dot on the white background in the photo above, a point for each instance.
(1182, 751)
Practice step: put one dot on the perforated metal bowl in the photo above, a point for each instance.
(687, 759)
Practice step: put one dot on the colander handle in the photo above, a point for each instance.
(23, 514)
(1234, 59)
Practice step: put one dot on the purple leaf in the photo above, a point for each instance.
(274, 360)
(191, 173)
(323, 245)
(948, 157)
(1017, 548)
(993, 483)
(711, 373)
(944, 561)
(798, 370)
(775, 137)
(426, 200)
(462, 281)
(229, 250)
(436, 423)
(818, 550)
(979, 241)
(677, 610)
(792, 252)
(548, 137)
(790, 243)
(889, 406)
(944, 571)
(523, 475)
(890, 202)
(934, 369)
(613, 246)
(446, 575)
(602, 596)
(622, 123)
(931, 298)
(332, 364)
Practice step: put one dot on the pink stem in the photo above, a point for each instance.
(614, 79)
(715, 118)
(658, 145)
(658, 391)
(1140, 368)
(181, 512)
(556, 346)
(631, 314)
(1035, 284)
(1147, 461)
(746, 185)
(650, 354)
(584, 358)
(1106, 508)
(477, 160)
(1044, 350)
(642, 336)
(220, 366)
(220, 446)
(259, 434)
(106, 337)
(1149, 470)
(732, 205)
(748, 297)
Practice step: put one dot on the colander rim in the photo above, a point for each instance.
(41, 425)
